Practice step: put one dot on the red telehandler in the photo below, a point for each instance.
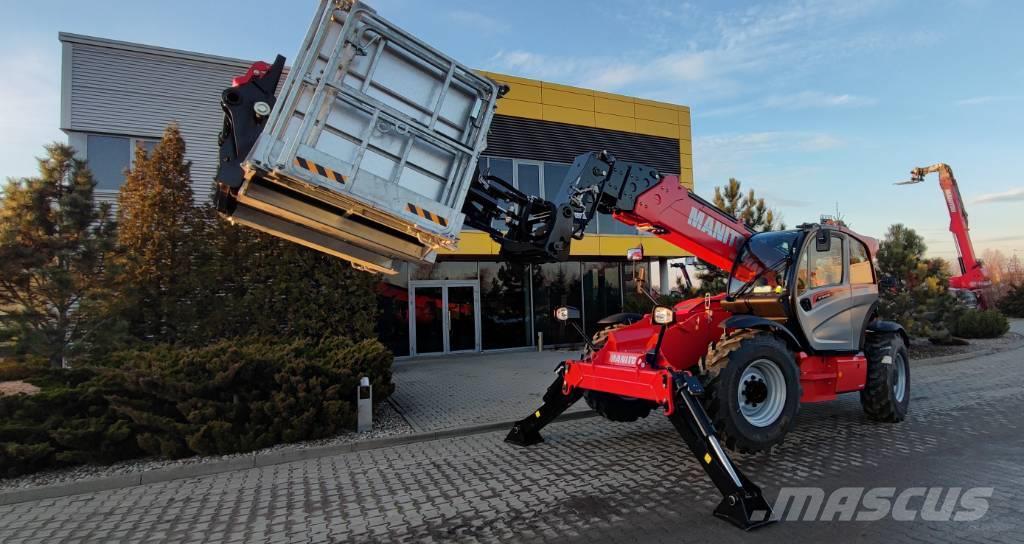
(370, 154)
(972, 279)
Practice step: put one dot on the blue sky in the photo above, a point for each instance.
(813, 103)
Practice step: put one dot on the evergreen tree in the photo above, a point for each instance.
(750, 209)
(55, 245)
(920, 299)
(158, 233)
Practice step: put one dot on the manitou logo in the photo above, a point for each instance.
(950, 201)
(713, 227)
(623, 359)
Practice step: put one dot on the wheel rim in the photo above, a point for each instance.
(762, 393)
(899, 386)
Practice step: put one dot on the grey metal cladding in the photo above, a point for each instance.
(136, 90)
(521, 138)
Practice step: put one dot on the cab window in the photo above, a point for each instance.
(860, 265)
(821, 268)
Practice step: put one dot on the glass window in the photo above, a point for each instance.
(147, 145)
(554, 285)
(501, 168)
(860, 264)
(445, 270)
(393, 311)
(821, 268)
(504, 305)
(602, 293)
(109, 157)
(606, 224)
(763, 264)
(528, 178)
(554, 176)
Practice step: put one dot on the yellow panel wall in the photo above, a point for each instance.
(534, 99)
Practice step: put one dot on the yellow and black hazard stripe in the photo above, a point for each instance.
(427, 215)
(323, 171)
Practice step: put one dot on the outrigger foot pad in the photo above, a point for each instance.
(526, 432)
(521, 436)
(746, 510)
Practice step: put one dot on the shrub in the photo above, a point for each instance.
(228, 397)
(1012, 304)
(980, 324)
(17, 369)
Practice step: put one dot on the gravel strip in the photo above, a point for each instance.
(923, 349)
(387, 422)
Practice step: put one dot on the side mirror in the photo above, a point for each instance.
(635, 254)
(822, 241)
(565, 313)
(663, 315)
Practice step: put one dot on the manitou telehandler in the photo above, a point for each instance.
(369, 153)
(972, 284)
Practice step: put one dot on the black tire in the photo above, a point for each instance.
(881, 401)
(729, 361)
(608, 406)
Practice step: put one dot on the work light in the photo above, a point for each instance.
(663, 315)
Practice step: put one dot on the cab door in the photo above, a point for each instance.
(824, 302)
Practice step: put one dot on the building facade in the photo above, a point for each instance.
(118, 95)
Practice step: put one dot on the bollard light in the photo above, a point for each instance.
(364, 405)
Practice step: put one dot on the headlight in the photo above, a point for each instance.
(663, 315)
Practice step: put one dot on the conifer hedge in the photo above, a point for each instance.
(227, 397)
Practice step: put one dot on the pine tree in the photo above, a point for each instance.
(920, 301)
(55, 248)
(750, 209)
(158, 232)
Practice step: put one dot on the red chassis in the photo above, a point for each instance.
(622, 366)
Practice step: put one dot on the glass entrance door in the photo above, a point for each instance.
(446, 316)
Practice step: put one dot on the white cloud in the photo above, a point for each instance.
(710, 63)
(29, 108)
(978, 100)
(797, 101)
(1013, 195)
(764, 142)
(476, 20)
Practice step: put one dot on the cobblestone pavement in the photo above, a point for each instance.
(460, 391)
(592, 481)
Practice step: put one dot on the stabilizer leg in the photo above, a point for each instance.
(742, 503)
(526, 432)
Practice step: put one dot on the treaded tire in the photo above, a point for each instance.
(608, 406)
(878, 398)
(728, 359)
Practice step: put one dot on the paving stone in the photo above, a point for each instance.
(591, 481)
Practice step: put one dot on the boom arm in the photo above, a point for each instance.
(597, 183)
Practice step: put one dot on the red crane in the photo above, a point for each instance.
(972, 273)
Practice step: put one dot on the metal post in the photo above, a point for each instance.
(540, 341)
(364, 400)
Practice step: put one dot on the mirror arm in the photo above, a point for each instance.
(583, 335)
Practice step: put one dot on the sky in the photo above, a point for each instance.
(818, 105)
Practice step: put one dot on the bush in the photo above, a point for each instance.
(231, 396)
(980, 324)
(1012, 304)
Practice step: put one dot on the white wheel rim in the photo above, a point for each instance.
(762, 393)
(899, 385)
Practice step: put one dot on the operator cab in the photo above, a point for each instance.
(817, 280)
